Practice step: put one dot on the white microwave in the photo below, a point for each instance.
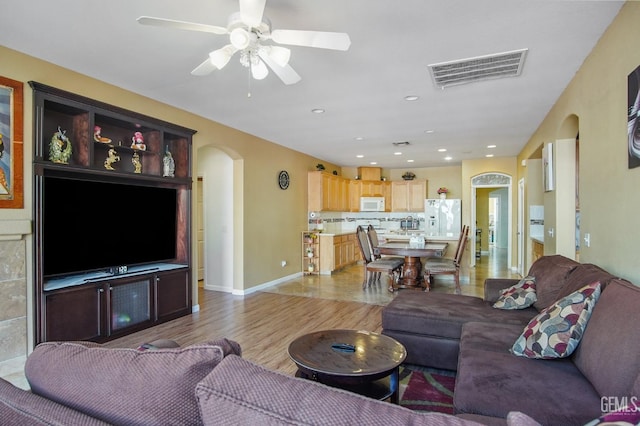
(371, 204)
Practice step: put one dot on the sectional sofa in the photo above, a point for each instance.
(470, 335)
(77, 383)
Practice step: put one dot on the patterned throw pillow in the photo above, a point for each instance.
(519, 296)
(556, 331)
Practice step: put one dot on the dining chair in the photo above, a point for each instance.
(373, 268)
(374, 242)
(442, 266)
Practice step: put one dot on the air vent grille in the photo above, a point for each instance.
(499, 65)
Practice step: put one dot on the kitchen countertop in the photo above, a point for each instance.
(335, 234)
(407, 236)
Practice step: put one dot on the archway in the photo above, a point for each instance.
(499, 185)
(220, 174)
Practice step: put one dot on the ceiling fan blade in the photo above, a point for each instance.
(251, 12)
(181, 25)
(285, 73)
(321, 39)
(204, 68)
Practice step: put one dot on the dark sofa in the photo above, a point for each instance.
(467, 334)
(79, 383)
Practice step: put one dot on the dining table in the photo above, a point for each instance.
(412, 252)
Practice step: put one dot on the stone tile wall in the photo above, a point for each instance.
(13, 300)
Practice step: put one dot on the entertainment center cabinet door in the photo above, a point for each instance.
(173, 294)
(75, 313)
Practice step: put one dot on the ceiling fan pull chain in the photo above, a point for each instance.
(249, 81)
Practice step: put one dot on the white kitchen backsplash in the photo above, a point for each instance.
(343, 222)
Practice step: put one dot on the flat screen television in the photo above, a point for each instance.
(90, 226)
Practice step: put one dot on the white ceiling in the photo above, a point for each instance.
(362, 90)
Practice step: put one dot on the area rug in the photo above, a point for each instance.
(427, 389)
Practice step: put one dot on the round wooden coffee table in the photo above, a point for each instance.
(359, 361)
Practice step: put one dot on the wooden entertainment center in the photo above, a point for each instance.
(77, 139)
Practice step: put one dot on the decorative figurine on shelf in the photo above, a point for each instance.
(138, 142)
(169, 166)
(98, 137)
(136, 163)
(60, 147)
(112, 157)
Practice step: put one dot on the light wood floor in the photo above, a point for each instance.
(264, 323)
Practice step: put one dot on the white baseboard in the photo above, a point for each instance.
(266, 285)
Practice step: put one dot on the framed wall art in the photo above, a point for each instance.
(633, 120)
(547, 167)
(11, 144)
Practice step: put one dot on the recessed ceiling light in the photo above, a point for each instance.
(373, 163)
(429, 131)
(442, 149)
(491, 146)
(359, 138)
(489, 155)
(359, 156)
(397, 153)
(409, 161)
(317, 110)
(411, 98)
(448, 158)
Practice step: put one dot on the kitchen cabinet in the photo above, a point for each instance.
(408, 195)
(337, 251)
(377, 188)
(355, 192)
(367, 188)
(370, 173)
(327, 192)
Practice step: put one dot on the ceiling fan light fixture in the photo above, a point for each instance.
(220, 58)
(280, 55)
(259, 70)
(240, 38)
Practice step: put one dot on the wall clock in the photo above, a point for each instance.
(283, 179)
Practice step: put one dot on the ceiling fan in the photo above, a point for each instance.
(248, 31)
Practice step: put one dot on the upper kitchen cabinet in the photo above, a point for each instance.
(408, 195)
(355, 192)
(377, 188)
(327, 192)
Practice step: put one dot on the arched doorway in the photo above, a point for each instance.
(497, 187)
(219, 219)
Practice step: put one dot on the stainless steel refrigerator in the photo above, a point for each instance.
(443, 217)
